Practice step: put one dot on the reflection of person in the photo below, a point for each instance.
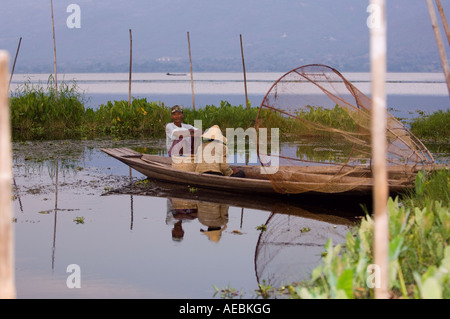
(179, 211)
(179, 136)
(211, 157)
(215, 217)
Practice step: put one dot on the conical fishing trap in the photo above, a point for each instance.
(327, 119)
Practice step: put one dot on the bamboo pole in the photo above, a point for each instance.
(54, 52)
(7, 286)
(379, 148)
(192, 76)
(56, 215)
(444, 19)
(440, 44)
(14, 64)
(245, 76)
(129, 78)
(9, 85)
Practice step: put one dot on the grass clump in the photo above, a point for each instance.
(120, 119)
(36, 113)
(433, 127)
(226, 115)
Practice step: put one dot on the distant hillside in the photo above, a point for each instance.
(277, 35)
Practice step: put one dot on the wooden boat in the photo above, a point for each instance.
(160, 168)
(176, 74)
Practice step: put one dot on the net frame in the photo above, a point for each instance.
(290, 98)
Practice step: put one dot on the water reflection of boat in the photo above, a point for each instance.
(214, 216)
(180, 211)
(337, 209)
(296, 232)
(306, 177)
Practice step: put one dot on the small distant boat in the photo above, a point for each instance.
(160, 168)
(176, 74)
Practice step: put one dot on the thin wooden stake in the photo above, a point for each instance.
(56, 214)
(444, 19)
(192, 76)
(14, 64)
(379, 149)
(129, 79)
(440, 44)
(7, 286)
(54, 52)
(245, 76)
(9, 85)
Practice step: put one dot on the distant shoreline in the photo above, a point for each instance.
(228, 82)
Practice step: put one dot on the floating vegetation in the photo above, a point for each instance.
(261, 228)
(79, 220)
(433, 127)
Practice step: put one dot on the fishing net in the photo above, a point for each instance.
(323, 126)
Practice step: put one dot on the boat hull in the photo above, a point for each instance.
(160, 168)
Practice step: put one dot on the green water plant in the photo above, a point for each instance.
(261, 228)
(79, 220)
(35, 111)
(227, 292)
(432, 127)
(419, 252)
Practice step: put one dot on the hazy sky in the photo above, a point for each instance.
(277, 35)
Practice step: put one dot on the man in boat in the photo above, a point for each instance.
(211, 157)
(179, 136)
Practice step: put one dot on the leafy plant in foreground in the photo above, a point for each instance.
(419, 254)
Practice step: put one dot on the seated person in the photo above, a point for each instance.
(179, 136)
(211, 157)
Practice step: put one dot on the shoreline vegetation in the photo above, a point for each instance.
(37, 115)
(419, 249)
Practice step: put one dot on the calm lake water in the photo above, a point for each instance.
(74, 205)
